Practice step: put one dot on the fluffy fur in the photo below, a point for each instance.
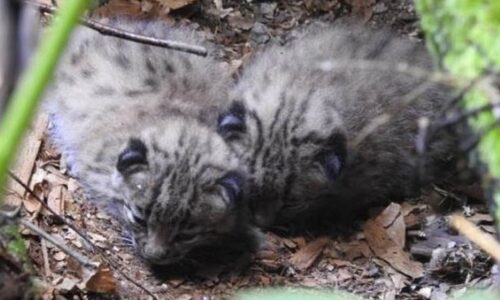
(137, 125)
(302, 106)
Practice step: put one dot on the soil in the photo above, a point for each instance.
(402, 251)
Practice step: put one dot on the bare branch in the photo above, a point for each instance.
(127, 35)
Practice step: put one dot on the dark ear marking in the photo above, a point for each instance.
(233, 185)
(233, 121)
(333, 165)
(334, 158)
(133, 155)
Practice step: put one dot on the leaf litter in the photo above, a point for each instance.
(406, 251)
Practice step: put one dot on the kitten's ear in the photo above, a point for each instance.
(232, 122)
(233, 186)
(335, 157)
(134, 155)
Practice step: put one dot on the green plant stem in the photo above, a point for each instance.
(23, 102)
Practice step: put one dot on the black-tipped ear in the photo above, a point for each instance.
(333, 165)
(133, 155)
(232, 122)
(335, 157)
(233, 185)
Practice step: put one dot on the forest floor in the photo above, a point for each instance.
(403, 251)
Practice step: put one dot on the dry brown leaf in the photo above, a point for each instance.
(392, 220)
(387, 249)
(74, 267)
(59, 256)
(67, 284)
(289, 243)
(362, 9)
(175, 4)
(320, 5)
(306, 256)
(55, 199)
(102, 281)
(25, 160)
(356, 249)
(31, 204)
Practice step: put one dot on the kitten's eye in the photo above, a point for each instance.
(232, 184)
(333, 165)
(232, 121)
(183, 237)
(133, 155)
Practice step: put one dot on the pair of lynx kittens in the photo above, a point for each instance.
(186, 159)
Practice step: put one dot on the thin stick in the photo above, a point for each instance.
(476, 235)
(130, 36)
(79, 257)
(465, 115)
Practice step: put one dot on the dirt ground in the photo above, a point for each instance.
(404, 251)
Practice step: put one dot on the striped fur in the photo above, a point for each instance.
(306, 100)
(179, 187)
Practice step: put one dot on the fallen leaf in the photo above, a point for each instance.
(67, 284)
(30, 203)
(102, 281)
(97, 237)
(55, 199)
(392, 220)
(356, 249)
(306, 256)
(174, 4)
(390, 251)
(59, 256)
(184, 297)
(289, 243)
(362, 9)
(74, 267)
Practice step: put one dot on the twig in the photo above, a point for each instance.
(463, 116)
(457, 98)
(130, 36)
(472, 142)
(83, 236)
(476, 235)
(79, 257)
(45, 255)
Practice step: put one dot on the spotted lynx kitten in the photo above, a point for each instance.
(137, 124)
(298, 110)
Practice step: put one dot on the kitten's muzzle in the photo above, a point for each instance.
(157, 255)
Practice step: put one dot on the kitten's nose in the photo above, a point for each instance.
(153, 252)
(265, 205)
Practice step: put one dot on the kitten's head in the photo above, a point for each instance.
(181, 188)
(291, 146)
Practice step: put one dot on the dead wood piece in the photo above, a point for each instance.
(476, 235)
(305, 257)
